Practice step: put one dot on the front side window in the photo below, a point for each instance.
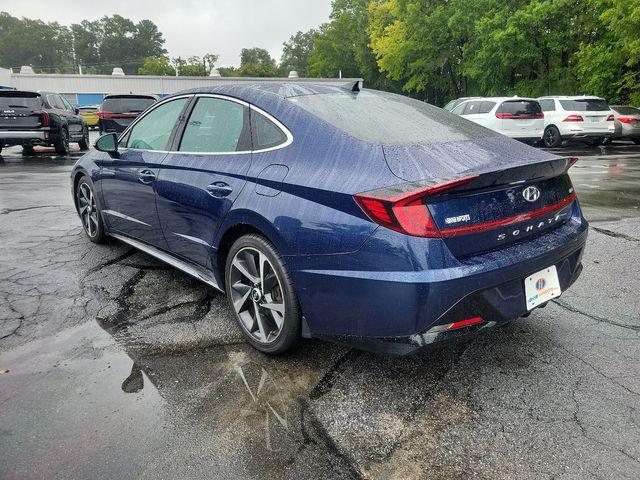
(153, 130)
(216, 126)
(265, 133)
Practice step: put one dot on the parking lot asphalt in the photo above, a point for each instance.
(120, 367)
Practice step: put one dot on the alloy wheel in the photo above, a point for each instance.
(87, 209)
(550, 137)
(256, 295)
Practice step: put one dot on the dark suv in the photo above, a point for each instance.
(118, 111)
(40, 118)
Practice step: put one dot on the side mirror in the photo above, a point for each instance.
(76, 110)
(108, 143)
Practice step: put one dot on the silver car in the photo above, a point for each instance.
(627, 123)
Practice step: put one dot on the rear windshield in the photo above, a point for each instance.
(627, 110)
(520, 107)
(585, 105)
(20, 100)
(127, 104)
(386, 118)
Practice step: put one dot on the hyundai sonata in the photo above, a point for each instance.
(345, 214)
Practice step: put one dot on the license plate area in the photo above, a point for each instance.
(541, 287)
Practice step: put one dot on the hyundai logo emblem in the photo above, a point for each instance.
(531, 194)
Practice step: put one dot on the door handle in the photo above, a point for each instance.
(146, 176)
(219, 189)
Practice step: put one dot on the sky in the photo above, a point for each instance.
(192, 27)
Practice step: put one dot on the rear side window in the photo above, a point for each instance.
(20, 100)
(127, 104)
(585, 105)
(479, 106)
(389, 119)
(520, 108)
(265, 133)
(216, 126)
(547, 105)
(459, 110)
(152, 131)
(55, 102)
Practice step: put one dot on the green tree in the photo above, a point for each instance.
(608, 62)
(257, 62)
(295, 52)
(160, 66)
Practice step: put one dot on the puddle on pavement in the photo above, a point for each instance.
(81, 392)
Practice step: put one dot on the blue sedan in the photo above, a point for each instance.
(347, 214)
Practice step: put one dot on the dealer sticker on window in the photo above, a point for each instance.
(541, 287)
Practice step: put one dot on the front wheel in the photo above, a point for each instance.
(84, 141)
(262, 295)
(551, 137)
(88, 210)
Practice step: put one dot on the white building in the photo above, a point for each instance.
(91, 89)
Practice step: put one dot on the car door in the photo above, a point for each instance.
(199, 181)
(73, 119)
(57, 105)
(128, 180)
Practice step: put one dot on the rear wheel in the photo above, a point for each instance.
(27, 150)
(84, 142)
(62, 144)
(552, 137)
(89, 211)
(262, 295)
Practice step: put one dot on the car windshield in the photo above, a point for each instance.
(385, 118)
(18, 100)
(627, 110)
(585, 105)
(127, 104)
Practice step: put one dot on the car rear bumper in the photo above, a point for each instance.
(400, 311)
(22, 135)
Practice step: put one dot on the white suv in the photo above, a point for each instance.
(515, 117)
(583, 118)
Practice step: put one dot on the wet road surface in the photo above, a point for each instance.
(121, 367)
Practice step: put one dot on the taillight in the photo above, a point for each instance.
(574, 118)
(572, 162)
(46, 120)
(406, 212)
(626, 119)
(104, 114)
(610, 118)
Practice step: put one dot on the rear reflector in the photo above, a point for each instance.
(572, 162)
(464, 323)
(574, 118)
(407, 212)
(511, 116)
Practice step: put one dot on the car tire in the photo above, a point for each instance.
(264, 305)
(62, 143)
(27, 150)
(84, 142)
(551, 137)
(89, 210)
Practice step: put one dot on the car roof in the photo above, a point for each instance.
(137, 95)
(277, 89)
(572, 97)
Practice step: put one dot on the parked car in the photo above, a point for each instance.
(118, 111)
(626, 123)
(358, 216)
(40, 118)
(578, 118)
(454, 103)
(90, 115)
(515, 117)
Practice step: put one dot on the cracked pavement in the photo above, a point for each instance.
(120, 366)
